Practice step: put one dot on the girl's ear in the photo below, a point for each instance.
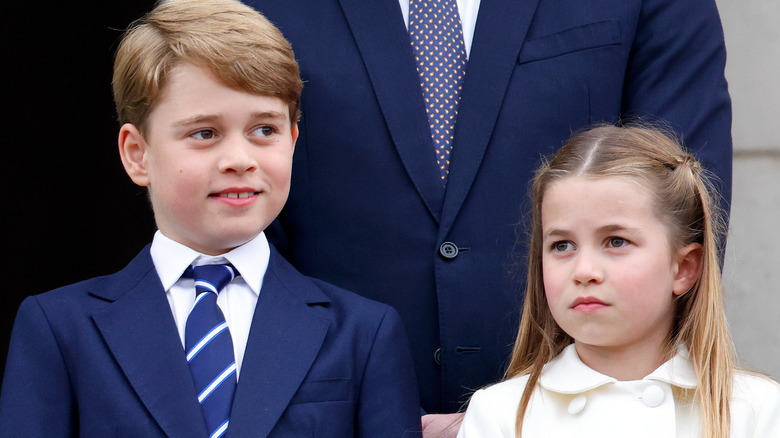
(688, 268)
(132, 151)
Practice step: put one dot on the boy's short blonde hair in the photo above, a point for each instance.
(238, 45)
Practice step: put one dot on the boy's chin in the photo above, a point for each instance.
(215, 238)
(226, 243)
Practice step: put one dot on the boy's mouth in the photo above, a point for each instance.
(235, 195)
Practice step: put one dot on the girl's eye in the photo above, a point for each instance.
(562, 246)
(617, 242)
(203, 134)
(264, 131)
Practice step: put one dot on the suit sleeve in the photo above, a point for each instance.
(37, 398)
(389, 404)
(676, 73)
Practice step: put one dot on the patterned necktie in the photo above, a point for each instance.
(437, 40)
(209, 347)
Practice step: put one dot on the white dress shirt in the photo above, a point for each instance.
(467, 9)
(237, 301)
(572, 399)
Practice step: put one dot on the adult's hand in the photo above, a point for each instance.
(441, 425)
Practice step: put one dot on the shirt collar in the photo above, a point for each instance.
(567, 374)
(171, 259)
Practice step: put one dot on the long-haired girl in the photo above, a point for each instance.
(623, 330)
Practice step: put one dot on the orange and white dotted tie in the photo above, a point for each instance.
(437, 39)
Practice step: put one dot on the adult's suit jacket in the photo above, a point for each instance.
(103, 358)
(367, 210)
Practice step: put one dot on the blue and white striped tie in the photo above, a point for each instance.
(209, 347)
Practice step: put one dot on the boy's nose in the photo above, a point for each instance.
(237, 156)
(587, 269)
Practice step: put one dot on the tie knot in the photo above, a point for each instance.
(211, 278)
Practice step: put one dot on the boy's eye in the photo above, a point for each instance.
(264, 131)
(617, 242)
(562, 246)
(203, 134)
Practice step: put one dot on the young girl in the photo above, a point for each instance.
(623, 331)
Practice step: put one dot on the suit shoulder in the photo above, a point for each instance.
(348, 298)
(67, 292)
(77, 292)
(315, 291)
(348, 309)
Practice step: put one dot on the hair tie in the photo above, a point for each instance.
(689, 161)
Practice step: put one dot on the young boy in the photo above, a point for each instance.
(207, 92)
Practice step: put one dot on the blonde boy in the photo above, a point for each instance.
(208, 95)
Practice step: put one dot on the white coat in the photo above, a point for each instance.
(573, 400)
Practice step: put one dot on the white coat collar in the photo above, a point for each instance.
(567, 374)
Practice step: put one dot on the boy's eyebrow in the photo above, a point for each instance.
(269, 114)
(198, 118)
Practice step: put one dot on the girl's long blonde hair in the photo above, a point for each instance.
(684, 203)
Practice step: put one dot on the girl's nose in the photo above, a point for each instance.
(588, 269)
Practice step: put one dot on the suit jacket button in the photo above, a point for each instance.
(448, 250)
(577, 404)
(653, 396)
(437, 356)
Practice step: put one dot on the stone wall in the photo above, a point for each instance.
(752, 268)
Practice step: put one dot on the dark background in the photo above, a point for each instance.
(72, 213)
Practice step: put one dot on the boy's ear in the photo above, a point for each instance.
(294, 132)
(688, 268)
(132, 151)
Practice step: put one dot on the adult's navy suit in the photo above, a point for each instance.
(102, 358)
(367, 209)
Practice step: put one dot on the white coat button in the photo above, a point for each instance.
(653, 396)
(577, 404)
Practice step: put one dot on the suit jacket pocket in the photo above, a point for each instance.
(324, 390)
(587, 36)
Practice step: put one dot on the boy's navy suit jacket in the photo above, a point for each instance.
(367, 210)
(103, 358)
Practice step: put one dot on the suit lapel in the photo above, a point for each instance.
(498, 36)
(384, 45)
(140, 332)
(285, 338)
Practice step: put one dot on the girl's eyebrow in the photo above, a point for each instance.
(609, 228)
(556, 232)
